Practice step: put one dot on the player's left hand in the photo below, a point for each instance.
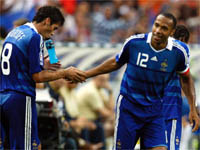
(48, 66)
(194, 120)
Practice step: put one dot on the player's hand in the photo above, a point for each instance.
(48, 66)
(194, 120)
(75, 75)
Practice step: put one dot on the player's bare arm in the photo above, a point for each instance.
(189, 90)
(108, 66)
(71, 73)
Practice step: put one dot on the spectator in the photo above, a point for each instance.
(104, 25)
(96, 106)
(72, 124)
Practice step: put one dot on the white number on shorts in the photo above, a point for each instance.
(5, 59)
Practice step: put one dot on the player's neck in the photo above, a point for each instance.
(37, 26)
(159, 46)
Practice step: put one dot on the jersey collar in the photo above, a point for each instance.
(169, 43)
(31, 25)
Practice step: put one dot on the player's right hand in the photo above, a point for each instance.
(194, 120)
(75, 75)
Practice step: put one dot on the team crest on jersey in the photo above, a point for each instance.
(164, 65)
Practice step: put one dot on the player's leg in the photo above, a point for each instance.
(126, 135)
(15, 108)
(22, 124)
(153, 135)
(35, 142)
(173, 127)
(4, 121)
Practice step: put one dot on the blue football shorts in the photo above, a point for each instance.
(18, 121)
(134, 121)
(173, 129)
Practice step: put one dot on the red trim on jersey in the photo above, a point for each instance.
(186, 72)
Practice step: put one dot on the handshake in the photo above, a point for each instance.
(74, 75)
(51, 62)
(71, 74)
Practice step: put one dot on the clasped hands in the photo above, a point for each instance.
(71, 74)
(74, 75)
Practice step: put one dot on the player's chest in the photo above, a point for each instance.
(163, 60)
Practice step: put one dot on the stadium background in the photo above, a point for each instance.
(95, 29)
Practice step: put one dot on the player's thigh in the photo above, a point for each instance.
(173, 127)
(22, 115)
(35, 142)
(14, 111)
(126, 128)
(153, 134)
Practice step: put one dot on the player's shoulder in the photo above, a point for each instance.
(180, 46)
(136, 37)
(30, 30)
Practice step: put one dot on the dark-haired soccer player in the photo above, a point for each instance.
(151, 60)
(173, 100)
(21, 66)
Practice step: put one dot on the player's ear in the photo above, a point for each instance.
(47, 21)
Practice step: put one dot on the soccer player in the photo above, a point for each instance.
(21, 67)
(151, 60)
(172, 100)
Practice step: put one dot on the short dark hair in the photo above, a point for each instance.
(170, 16)
(182, 32)
(51, 12)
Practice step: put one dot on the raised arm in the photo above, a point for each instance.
(108, 66)
(189, 91)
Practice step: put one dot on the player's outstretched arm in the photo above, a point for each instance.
(106, 67)
(189, 91)
(72, 74)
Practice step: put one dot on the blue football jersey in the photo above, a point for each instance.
(22, 56)
(172, 100)
(149, 71)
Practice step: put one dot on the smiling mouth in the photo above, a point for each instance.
(157, 38)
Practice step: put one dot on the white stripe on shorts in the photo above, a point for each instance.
(28, 120)
(117, 120)
(173, 134)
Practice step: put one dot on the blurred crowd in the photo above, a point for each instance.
(101, 21)
(86, 113)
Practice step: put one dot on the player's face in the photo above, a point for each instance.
(162, 29)
(49, 29)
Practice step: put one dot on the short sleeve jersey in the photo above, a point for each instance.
(21, 57)
(148, 70)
